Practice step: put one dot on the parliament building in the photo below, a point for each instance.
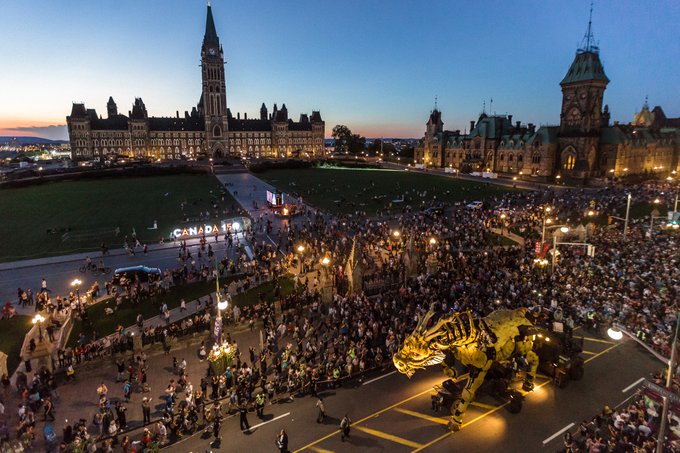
(209, 129)
(583, 146)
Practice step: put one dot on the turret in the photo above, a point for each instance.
(111, 107)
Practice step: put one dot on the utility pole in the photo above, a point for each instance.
(669, 381)
(625, 225)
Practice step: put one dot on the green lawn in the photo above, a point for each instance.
(127, 313)
(85, 213)
(13, 332)
(345, 191)
(252, 296)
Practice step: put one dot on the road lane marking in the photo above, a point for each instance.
(375, 414)
(600, 353)
(379, 377)
(589, 352)
(320, 450)
(558, 433)
(474, 420)
(440, 420)
(633, 385)
(482, 405)
(264, 423)
(392, 437)
(598, 340)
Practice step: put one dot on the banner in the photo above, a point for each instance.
(217, 331)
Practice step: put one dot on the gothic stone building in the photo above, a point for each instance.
(210, 129)
(583, 146)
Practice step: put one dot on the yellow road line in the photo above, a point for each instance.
(392, 437)
(474, 420)
(482, 405)
(589, 352)
(598, 340)
(600, 353)
(444, 436)
(440, 420)
(321, 450)
(375, 414)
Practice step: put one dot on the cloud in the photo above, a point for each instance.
(52, 132)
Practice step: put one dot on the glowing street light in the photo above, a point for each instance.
(39, 319)
(433, 241)
(76, 284)
(396, 234)
(614, 333)
(325, 261)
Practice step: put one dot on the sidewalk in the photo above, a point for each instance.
(95, 255)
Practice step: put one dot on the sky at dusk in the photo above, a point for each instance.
(375, 66)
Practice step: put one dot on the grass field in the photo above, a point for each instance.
(84, 214)
(127, 313)
(345, 191)
(13, 332)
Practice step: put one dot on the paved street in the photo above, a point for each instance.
(393, 413)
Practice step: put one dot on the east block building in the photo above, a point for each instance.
(583, 146)
(209, 129)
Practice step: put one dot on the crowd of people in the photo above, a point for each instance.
(447, 260)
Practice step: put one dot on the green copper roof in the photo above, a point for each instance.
(586, 67)
(210, 32)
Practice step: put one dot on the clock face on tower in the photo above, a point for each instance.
(211, 51)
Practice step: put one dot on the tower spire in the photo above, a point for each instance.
(210, 36)
(435, 102)
(588, 44)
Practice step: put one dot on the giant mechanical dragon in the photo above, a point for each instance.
(474, 342)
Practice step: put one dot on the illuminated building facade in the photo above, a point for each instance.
(209, 129)
(583, 146)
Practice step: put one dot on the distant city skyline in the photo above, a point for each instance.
(373, 66)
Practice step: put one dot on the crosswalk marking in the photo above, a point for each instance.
(482, 405)
(598, 340)
(392, 437)
(440, 420)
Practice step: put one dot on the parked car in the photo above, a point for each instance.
(143, 273)
(474, 205)
(434, 211)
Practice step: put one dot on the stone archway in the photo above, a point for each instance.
(217, 150)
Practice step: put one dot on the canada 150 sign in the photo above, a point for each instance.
(235, 225)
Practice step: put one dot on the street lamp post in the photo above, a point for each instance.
(221, 305)
(669, 380)
(301, 250)
(625, 225)
(39, 319)
(545, 220)
(76, 284)
(565, 230)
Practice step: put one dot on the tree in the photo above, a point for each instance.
(346, 141)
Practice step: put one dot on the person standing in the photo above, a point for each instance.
(243, 418)
(217, 424)
(282, 441)
(344, 427)
(259, 404)
(120, 413)
(322, 410)
(146, 409)
(49, 409)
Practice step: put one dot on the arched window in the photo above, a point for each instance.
(217, 131)
(569, 162)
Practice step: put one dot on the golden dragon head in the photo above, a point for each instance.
(425, 347)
